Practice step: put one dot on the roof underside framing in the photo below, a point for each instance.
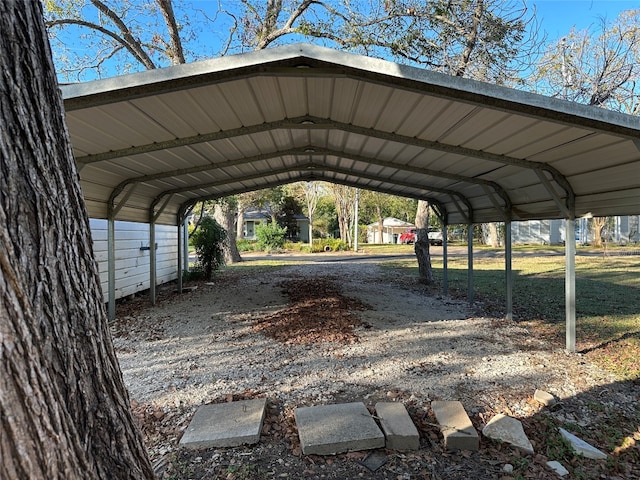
(149, 146)
(510, 154)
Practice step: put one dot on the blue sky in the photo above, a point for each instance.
(557, 17)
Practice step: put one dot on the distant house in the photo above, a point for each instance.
(392, 228)
(625, 229)
(298, 229)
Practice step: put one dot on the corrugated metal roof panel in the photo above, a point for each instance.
(239, 123)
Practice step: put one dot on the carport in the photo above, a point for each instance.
(149, 146)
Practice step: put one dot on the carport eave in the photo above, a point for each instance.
(304, 59)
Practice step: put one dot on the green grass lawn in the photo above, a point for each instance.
(607, 299)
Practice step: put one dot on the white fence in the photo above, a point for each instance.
(132, 255)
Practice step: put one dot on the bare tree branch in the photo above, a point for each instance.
(176, 51)
(94, 26)
(269, 34)
(130, 42)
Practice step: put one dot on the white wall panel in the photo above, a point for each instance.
(132, 263)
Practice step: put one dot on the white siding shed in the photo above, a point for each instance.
(132, 255)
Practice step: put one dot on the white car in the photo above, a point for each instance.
(435, 236)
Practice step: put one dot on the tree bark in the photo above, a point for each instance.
(380, 224)
(64, 408)
(494, 238)
(225, 216)
(421, 247)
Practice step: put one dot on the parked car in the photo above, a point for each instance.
(435, 236)
(409, 237)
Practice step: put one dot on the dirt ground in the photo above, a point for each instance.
(347, 329)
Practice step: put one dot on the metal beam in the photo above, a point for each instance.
(181, 239)
(152, 259)
(470, 288)
(570, 284)
(308, 151)
(179, 142)
(508, 271)
(564, 209)
(111, 267)
(445, 259)
(495, 203)
(156, 214)
(313, 167)
(464, 216)
(312, 122)
(308, 177)
(123, 201)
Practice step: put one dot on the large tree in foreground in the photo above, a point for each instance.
(64, 408)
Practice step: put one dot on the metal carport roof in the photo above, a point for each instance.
(153, 143)
(150, 145)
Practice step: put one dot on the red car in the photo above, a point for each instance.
(409, 237)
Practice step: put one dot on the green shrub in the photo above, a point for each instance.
(270, 236)
(297, 247)
(246, 245)
(208, 241)
(329, 245)
(194, 274)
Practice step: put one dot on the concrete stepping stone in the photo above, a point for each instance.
(338, 428)
(581, 447)
(558, 468)
(456, 426)
(225, 424)
(509, 430)
(399, 430)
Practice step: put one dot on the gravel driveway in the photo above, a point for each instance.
(400, 343)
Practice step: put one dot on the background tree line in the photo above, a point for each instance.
(497, 41)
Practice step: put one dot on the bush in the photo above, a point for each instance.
(297, 246)
(329, 245)
(208, 241)
(270, 236)
(246, 245)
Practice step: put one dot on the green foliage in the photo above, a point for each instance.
(270, 236)
(245, 245)
(194, 274)
(329, 245)
(325, 220)
(288, 209)
(208, 241)
(297, 247)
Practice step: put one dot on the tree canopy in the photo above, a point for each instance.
(489, 39)
(599, 67)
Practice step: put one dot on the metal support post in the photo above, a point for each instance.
(570, 284)
(508, 270)
(152, 262)
(445, 259)
(470, 262)
(111, 268)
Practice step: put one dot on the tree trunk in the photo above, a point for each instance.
(225, 216)
(64, 408)
(380, 224)
(240, 222)
(421, 247)
(494, 238)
